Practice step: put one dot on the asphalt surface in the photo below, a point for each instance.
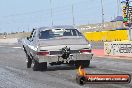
(14, 74)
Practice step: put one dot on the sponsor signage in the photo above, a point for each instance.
(82, 78)
(118, 48)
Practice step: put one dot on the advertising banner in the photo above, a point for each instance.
(118, 48)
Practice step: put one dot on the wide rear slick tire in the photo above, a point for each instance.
(82, 63)
(39, 66)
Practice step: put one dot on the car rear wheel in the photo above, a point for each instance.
(83, 63)
(39, 66)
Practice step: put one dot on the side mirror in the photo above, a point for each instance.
(28, 38)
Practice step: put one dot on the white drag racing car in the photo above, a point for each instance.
(55, 46)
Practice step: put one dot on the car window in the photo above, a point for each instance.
(72, 32)
(47, 34)
(67, 33)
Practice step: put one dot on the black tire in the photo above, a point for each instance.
(80, 80)
(71, 63)
(43, 66)
(39, 66)
(29, 61)
(86, 63)
(83, 63)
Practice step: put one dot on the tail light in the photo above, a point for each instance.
(85, 51)
(43, 53)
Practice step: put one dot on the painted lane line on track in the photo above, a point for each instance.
(128, 58)
(17, 47)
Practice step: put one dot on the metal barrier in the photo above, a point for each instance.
(116, 35)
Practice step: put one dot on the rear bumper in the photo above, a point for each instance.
(54, 58)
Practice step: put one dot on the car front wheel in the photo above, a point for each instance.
(29, 61)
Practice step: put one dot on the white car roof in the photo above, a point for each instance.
(56, 27)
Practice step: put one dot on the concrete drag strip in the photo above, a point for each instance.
(9, 40)
(16, 70)
(14, 46)
(11, 78)
(1, 46)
